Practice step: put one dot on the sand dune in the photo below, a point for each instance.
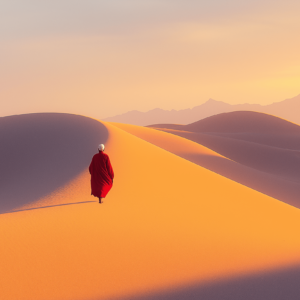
(289, 141)
(41, 153)
(167, 223)
(280, 162)
(237, 122)
(279, 182)
(240, 137)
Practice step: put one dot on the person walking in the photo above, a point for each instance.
(102, 174)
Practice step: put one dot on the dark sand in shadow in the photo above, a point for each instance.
(276, 285)
(42, 152)
(290, 141)
(281, 162)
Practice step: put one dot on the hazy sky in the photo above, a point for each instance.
(101, 58)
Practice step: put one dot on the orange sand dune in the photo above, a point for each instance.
(167, 222)
(242, 171)
(263, 142)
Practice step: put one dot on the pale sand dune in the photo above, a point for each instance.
(166, 223)
(248, 156)
(260, 141)
(41, 153)
(243, 121)
(237, 122)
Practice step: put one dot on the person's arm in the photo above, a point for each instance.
(90, 167)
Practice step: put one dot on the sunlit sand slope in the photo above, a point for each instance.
(181, 143)
(166, 222)
(263, 142)
(42, 152)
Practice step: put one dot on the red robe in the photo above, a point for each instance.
(102, 175)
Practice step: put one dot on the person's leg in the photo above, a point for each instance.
(100, 200)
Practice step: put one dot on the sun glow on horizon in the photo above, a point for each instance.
(171, 56)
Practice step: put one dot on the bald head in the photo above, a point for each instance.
(101, 147)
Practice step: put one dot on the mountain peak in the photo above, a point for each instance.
(211, 100)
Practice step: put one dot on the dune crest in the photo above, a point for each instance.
(237, 122)
(43, 152)
(244, 166)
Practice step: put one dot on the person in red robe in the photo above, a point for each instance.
(102, 174)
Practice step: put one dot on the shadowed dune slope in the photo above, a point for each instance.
(42, 152)
(276, 285)
(237, 122)
(284, 163)
(256, 140)
(244, 171)
(166, 223)
(246, 126)
(286, 140)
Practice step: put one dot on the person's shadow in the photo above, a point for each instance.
(41, 152)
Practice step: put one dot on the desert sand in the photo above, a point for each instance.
(167, 225)
(237, 122)
(40, 153)
(260, 141)
(273, 171)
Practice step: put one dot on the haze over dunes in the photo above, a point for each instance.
(168, 224)
(287, 109)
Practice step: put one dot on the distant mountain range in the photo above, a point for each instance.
(288, 109)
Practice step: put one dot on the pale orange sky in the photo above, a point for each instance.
(102, 58)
